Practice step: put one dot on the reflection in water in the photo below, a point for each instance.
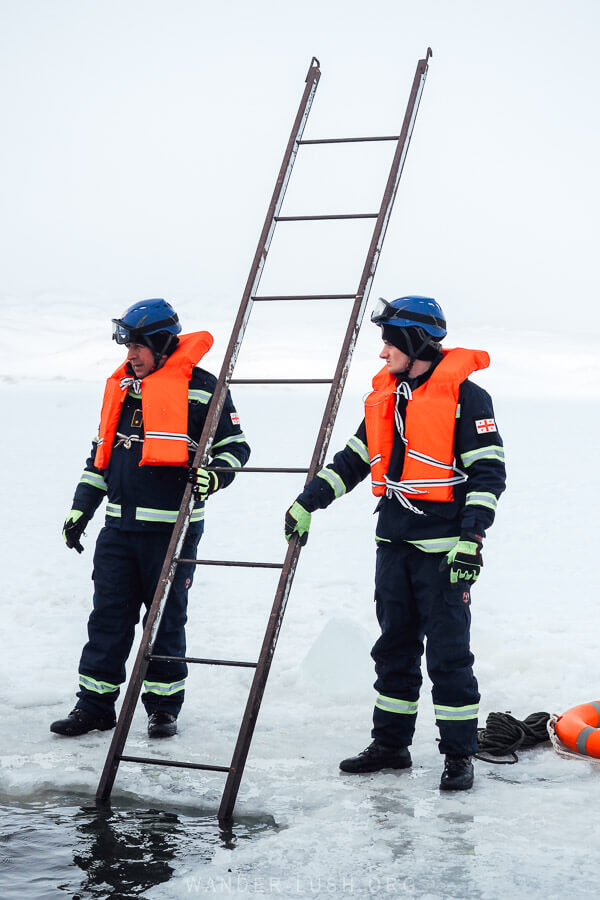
(129, 852)
(122, 852)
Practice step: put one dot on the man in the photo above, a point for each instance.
(430, 442)
(153, 412)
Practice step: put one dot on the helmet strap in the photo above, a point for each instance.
(157, 356)
(165, 349)
(413, 357)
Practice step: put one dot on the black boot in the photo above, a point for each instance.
(458, 774)
(161, 725)
(80, 721)
(377, 756)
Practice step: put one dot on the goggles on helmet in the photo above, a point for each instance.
(385, 312)
(126, 334)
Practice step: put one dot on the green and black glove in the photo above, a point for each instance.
(297, 521)
(464, 560)
(75, 525)
(204, 482)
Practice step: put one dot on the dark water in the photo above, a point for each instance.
(57, 846)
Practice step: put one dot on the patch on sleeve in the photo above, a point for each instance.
(236, 419)
(482, 426)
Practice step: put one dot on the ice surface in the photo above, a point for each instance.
(526, 830)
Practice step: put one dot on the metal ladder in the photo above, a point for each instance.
(288, 567)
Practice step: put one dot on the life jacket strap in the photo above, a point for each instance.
(126, 440)
(415, 486)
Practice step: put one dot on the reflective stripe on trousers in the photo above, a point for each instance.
(164, 689)
(97, 687)
(456, 713)
(393, 705)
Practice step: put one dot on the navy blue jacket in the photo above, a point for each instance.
(147, 498)
(478, 451)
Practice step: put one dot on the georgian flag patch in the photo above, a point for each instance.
(484, 425)
(235, 418)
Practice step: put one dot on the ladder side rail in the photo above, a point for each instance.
(258, 263)
(370, 267)
(210, 426)
(291, 559)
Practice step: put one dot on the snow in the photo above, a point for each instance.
(142, 145)
(525, 830)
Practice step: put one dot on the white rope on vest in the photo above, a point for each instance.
(403, 390)
(135, 383)
(126, 440)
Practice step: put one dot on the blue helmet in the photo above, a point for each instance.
(151, 322)
(410, 312)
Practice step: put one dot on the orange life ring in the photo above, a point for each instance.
(579, 728)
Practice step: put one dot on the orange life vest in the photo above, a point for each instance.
(164, 406)
(429, 471)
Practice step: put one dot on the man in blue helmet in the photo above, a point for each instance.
(152, 417)
(430, 442)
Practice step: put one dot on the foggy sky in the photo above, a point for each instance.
(142, 141)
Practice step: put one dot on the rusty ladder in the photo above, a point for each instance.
(288, 567)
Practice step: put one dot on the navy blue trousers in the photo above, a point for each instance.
(415, 602)
(127, 566)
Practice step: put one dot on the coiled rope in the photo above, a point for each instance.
(503, 735)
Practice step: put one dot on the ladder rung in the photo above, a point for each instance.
(171, 762)
(308, 297)
(249, 469)
(390, 137)
(281, 381)
(323, 218)
(205, 662)
(228, 562)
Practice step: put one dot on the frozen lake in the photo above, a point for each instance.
(301, 827)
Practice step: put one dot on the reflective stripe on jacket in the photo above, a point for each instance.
(428, 472)
(164, 406)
